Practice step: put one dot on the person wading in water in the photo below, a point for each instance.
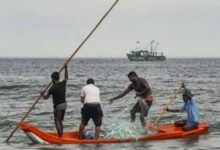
(58, 92)
(143, 92)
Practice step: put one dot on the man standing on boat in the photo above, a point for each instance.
(58, 92)
(143, 92)
(90, 97)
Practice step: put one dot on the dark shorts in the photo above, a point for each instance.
(93, 111)
(141, 108)
(59, 115)
(185, 126)
(59, 111)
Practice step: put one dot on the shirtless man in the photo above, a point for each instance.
(144, 94)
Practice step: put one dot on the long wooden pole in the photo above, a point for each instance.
(168, 104)
(65, 63)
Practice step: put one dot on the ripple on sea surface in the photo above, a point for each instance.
(21, 83)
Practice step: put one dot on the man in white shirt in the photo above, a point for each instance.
(90, 97)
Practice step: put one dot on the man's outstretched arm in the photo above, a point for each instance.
(125, 92)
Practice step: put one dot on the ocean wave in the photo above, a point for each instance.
(6, 124)
(8, 87)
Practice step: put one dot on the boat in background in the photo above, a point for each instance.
(162, 133)
(146, 55)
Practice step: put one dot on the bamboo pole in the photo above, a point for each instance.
(168, 104)
(65, 63)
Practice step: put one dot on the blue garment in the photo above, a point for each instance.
(190, 107)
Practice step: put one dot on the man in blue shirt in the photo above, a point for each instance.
(191, 109)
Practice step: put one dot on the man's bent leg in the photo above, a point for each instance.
(97, 131)
(142, 120)
(133, 116)
(134, 110)
(190, 127)
(180, 123)
(81, 129)
(58, 117)
(145, 107)
(84, 120)
(59, 127)
(97, 120)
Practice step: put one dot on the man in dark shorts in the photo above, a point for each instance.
(143, 92)
(90, 97)
(58, 92)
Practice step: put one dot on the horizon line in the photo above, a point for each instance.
(29, 57)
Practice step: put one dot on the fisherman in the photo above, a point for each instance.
(144, 94)
(58, 92)
(90, 97)
(191, 109)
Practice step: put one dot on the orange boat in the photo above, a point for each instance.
(163, 132)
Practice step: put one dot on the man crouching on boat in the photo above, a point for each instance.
(143, 92)
(58, 91)
(90, 97)
(190, 107)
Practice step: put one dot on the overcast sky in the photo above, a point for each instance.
(55, 28)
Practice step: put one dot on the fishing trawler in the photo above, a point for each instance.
(145, 54)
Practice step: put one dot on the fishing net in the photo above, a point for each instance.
(124, 130)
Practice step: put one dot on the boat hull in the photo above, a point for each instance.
(164, 132)
(146, 58)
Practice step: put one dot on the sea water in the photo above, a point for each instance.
(21, 81)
